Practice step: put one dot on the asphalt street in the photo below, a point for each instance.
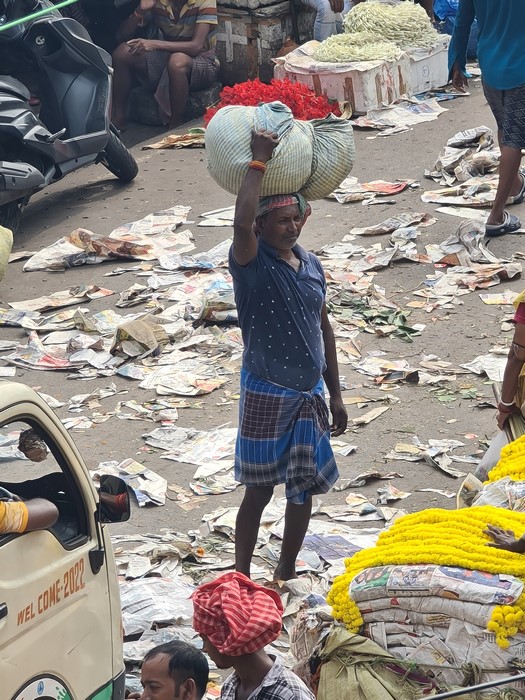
(92, 199)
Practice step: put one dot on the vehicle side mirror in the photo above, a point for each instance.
(114, 503)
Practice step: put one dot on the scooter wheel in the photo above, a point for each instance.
(11, 213)
(118, 160)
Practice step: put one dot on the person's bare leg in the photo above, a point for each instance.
(296, 521)
(516, 189)
(123, 64)
(179, 73)
(509, 183)
(255, 500)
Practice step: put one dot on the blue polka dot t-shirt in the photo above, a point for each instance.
(279, 313)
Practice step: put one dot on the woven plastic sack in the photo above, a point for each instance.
(334, 156)
(228, 137)
(313, 157)
(6, 244)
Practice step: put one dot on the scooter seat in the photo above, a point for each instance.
(14, 86)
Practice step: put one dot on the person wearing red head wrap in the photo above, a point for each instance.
(236, 619)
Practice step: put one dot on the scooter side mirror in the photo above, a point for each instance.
(114, 502)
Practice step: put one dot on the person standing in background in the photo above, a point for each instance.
(329, 16)
(501, 28)
(445, 12)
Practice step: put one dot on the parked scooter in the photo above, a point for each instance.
(73, 127)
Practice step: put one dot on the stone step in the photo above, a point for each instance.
(143, 107)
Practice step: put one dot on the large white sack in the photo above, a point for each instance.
(334, 155)
(313, 157)
(228, 138)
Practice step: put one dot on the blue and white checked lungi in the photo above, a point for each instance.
(284, 437)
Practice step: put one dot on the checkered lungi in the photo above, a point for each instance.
(204, 69)
(508, 108)
(204, 74)
(284, 437)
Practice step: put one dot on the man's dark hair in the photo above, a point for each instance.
(185, 661)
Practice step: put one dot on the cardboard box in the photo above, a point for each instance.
(365, 85)
(248, 40)
(429, 67)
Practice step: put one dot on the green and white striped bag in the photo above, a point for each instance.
(313, 157)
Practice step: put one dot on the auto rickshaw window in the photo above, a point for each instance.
(30, 467)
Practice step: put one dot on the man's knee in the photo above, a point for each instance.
(122, 55)
(258, 495)
(179, 63)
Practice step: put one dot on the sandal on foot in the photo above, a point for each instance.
(510, 224)
(518, 198)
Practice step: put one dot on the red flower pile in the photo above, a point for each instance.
(303, 101)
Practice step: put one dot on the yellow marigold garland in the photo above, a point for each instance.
(446, 538)
(511, 462)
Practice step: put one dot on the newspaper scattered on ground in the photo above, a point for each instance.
(400, 115)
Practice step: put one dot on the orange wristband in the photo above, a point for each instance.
(257, 165)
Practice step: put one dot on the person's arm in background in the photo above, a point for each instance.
(129, 26)
(41, 514)
(191, 48)
(331, 377)
(20, 516)
(337, 5)
(515, 362)
(505, 539)
(457, 51)
(205, 21)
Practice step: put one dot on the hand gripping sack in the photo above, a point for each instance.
(228, 138)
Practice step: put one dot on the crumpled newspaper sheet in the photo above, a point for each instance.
(395, 222)
(468, 154)
(491, 364)
(474, 192)
(351, 190)
(153, 601)
(67, 297)
(197, 447)
(147, 239)
(400, 115)
(218, 217)
(433, 452)
(210, 259)
(194, 138)
(463, 248)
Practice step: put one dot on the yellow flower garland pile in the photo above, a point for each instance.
(511, 462)
(446, 538)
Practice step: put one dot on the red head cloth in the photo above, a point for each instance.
(237, 615)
